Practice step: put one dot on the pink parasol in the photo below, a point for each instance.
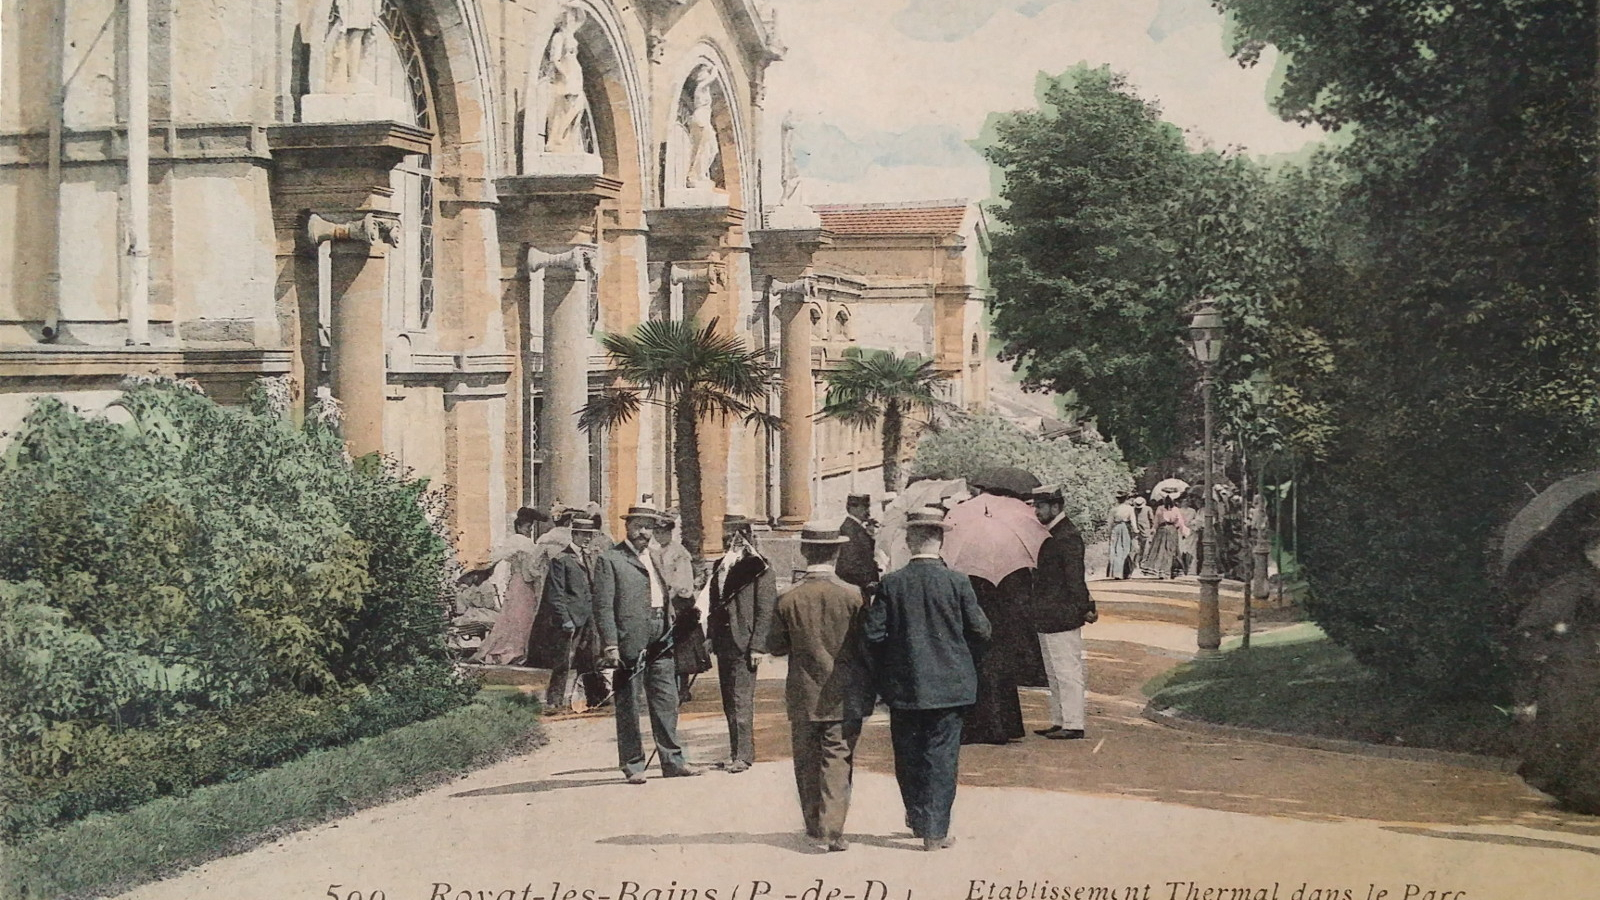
(991, 536)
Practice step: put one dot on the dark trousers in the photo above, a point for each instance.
(594, 683)
(824, 760)
(927, 753)
(738, 705)
(659, 679)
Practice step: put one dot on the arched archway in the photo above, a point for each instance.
(708, 141)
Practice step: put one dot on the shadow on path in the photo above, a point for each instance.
(1509, 839)
(792, 841)
(536, 787)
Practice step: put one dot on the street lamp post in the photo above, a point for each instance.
(1205, 331)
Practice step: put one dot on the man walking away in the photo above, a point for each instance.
(632, 610)
(858, 564)
(922, 628)
(742, 592)
(1059, 607)
(818, 624)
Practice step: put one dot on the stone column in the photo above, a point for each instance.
(798, 401)
(358, 366)
(566, 278)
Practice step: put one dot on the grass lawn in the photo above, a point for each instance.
(113, 852)
(1297, 681)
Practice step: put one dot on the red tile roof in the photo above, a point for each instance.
(937, 218)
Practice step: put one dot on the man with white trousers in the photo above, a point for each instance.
(1058, 608)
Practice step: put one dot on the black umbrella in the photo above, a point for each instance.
(1542, 512)
(1005, 480)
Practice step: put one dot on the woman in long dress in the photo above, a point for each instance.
(1121, 538)
(1011, 658)
(1162, 554)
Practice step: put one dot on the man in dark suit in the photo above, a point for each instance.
(1058, 607)
(857, 563)
(743, 590)
(922, 627)
(633, 612)
(565, 624)
(818, 625)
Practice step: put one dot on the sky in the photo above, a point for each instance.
(885, 95)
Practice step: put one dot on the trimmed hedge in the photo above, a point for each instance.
(116, 770)
(111, 853)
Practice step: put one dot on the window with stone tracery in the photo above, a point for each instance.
(401, 73)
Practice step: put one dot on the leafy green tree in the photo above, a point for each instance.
(1089, 183)
(1466, 348)
(879, 385)
(697, 375)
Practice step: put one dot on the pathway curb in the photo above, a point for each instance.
(1174, 719)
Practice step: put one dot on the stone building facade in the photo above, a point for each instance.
(908, 278)
(425, 208)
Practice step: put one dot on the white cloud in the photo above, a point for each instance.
(851, 65)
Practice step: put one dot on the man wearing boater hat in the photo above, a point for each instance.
(818, 625)
(922, 628)
(1058, 607)
(633, 612)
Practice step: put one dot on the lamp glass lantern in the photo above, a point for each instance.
(1205, 332)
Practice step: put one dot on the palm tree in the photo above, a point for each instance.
(880, 384)
(695, 374)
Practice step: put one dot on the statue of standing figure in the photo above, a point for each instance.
(695, 116)
(790, 177)
(347, 45)
(567, 106)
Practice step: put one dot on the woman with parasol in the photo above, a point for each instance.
(994, 539)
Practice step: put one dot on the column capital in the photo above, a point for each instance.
(703, 274)
(575, 259)
(800, 290)
(372, 227)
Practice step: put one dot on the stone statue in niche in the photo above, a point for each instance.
(352, 27)
(695, 117)
(344, 63)
(558, 126)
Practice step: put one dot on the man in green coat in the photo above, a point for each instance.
(818, 625)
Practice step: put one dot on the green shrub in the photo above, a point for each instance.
(1090, 473)
(116, 851)
(109, 769)
(194, 558)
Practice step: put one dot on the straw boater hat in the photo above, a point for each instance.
(735, 520)
(1048, 493)
(822, 533)
(584, 522)
(858, 499)
(927, 517)
(644, 512)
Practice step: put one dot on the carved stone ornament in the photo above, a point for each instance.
(579, 257)
(800, 290)
(708, 275)
(374, 227)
